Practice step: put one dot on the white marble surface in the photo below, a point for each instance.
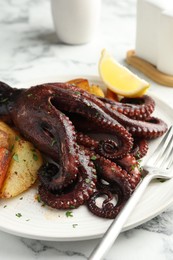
(29, 49)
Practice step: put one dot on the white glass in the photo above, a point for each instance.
(76, 21)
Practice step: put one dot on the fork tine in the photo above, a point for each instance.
(163, 146)
(160, 149)
(170, 159)
(167, 155)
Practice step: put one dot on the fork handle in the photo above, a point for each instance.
(117, 225)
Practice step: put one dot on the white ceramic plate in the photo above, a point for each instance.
(48, 224)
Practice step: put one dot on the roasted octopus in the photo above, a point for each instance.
(91, 145)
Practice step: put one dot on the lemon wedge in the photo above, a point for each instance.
(119, 79)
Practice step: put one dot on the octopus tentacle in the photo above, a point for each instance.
(118, 181)
(140, 148)
(69, 98)
(107, 148)
(131, 165)
(128, 167)
(80, 191)
(91, 108)
(86, 141)
(107, 209)
(53, 133)
(8, 97)
(151, 128)
(105, 145)
(136, 108)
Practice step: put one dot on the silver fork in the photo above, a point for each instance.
(159, 165)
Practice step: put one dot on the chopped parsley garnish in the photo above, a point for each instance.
(35, 157)
(19, 215)
(6, 152)
(138, 155)
(137, 165)
(17, 138)
(4, 100)
(133, 166)
(5, 206)
(74, 225)
(77, 93)
(29, 95)
(15, 157)
(69, 214)
(53, 142)
(38, 198)
(12, 147)
(93, 158)
(87, 180)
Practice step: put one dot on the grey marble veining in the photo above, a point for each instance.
(161, 224)
(29, 49)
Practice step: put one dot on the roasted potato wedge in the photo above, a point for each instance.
(84, 84)
(96, 90)
(5, 158)
(22, 171)
(7, 136)
(4, 139)
(111, 95)
(81, 83)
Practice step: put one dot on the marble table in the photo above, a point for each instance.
(30, 49)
